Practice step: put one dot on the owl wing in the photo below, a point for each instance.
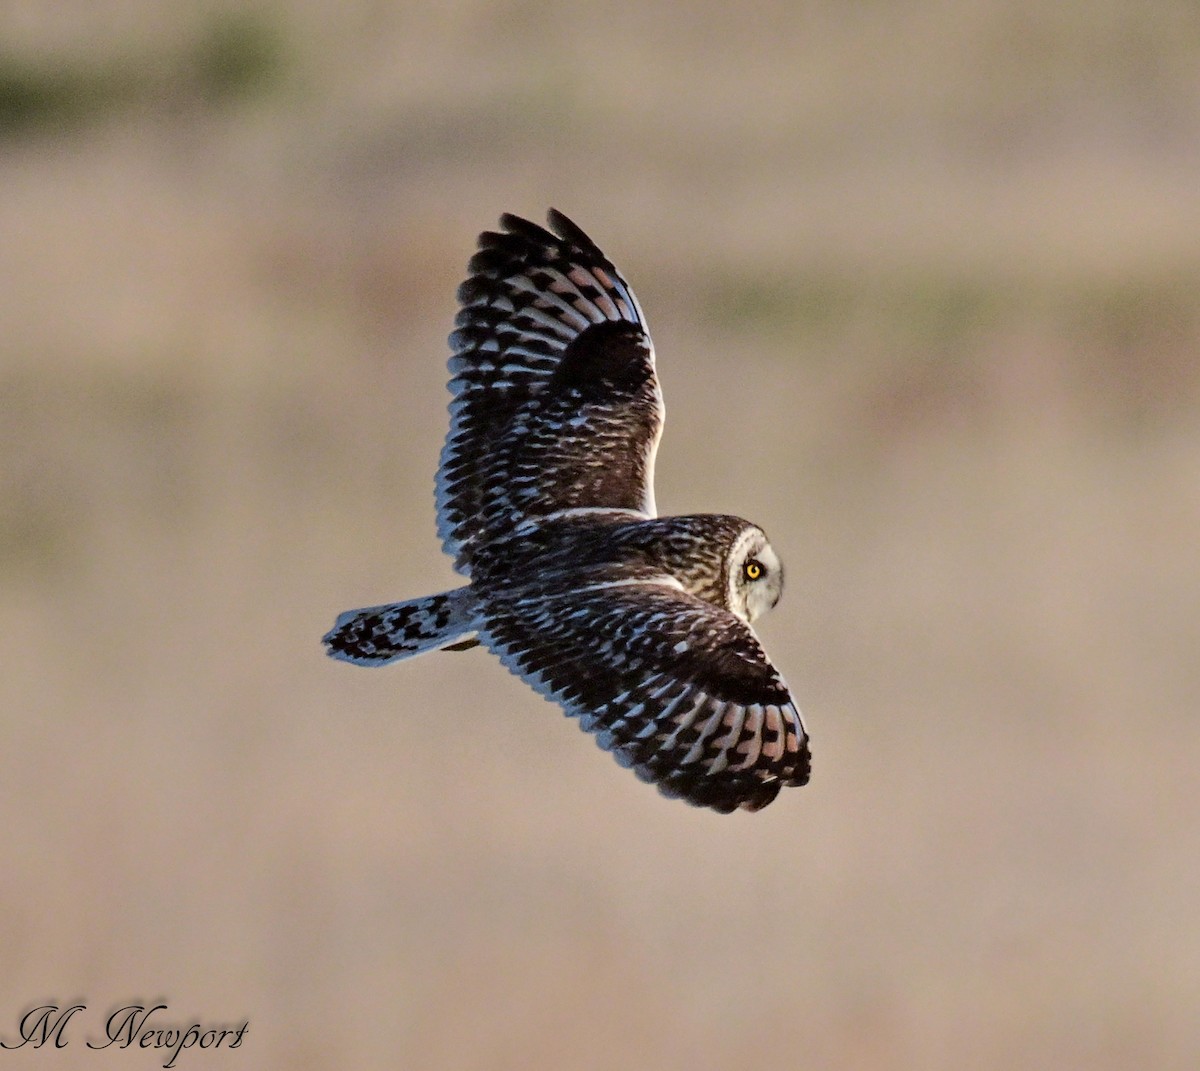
(678, 689)
(556, 404)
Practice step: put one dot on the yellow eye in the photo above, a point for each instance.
(753, 569)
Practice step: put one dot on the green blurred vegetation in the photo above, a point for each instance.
(923, 280)
(925, 309)
(1149, 317)
(230, 58)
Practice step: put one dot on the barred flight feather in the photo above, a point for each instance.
(638, 626)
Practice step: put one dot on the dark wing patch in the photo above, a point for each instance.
(556, 404)
(677, 689)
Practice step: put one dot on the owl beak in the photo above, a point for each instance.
(778, 591)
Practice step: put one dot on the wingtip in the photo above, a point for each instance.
(525, 228)
(567, 229)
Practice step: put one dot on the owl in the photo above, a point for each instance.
(637, 625)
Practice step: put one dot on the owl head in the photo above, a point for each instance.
(754, 575)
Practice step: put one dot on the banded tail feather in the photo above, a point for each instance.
(377, 635)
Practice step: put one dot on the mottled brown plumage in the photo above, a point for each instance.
(637, 625)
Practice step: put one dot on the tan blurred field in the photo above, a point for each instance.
(925, 286)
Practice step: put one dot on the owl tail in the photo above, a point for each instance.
(377, 635)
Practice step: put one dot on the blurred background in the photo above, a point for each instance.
(923, 278)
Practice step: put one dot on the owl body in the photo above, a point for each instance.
(696, 551)
(639, 626)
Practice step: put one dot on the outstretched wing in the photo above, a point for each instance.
(676, 688)
(556, 405)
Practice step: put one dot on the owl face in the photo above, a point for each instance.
(754, 575)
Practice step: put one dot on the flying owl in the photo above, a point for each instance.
(637, 625)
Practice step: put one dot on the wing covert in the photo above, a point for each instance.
(678, 689)
(556, 402)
